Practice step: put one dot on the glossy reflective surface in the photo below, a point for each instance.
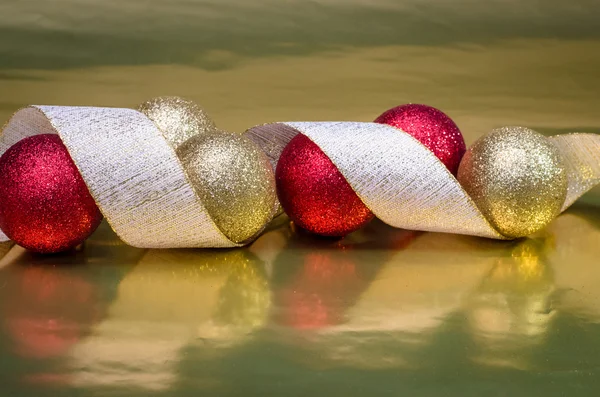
(381, 312)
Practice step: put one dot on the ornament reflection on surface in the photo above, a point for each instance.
(412, 295)
(49, 310)
(315, 298)
(512, 309)
(50, 303)
(575, 264)
(172, 300)
(317, 280)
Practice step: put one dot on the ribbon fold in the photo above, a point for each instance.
(143, 190)
(131, 171)
(406, 185)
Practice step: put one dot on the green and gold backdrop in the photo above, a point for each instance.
(381, 312)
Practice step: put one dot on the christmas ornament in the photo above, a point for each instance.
(314, 194)
(234, 181)
(159, 190)
(178, 119)
(45, 205)
(517, 179)
(432, 128)
(141, 184)
(405, 185)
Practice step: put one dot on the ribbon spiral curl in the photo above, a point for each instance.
(145, 183)
(164, 186)
(405, 185)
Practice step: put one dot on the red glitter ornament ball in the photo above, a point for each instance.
(433, 128)
(314, 193)
(44, 204)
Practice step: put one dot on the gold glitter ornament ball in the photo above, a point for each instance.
(235, 181)
(517, 179)
(178, 119)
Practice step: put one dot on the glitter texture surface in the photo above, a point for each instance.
(517, 178)
(235, 181)
(432, 128)
(179, 119)
(401, 181)
(314, 194)
(130, 169)
(45, 205)
(142, 188)
(581, 158)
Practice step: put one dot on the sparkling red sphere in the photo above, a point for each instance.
(433, 128)
(45, 205)
(314, 193)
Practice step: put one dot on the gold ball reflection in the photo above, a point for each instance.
(402, 288)
(227, 290)
(171, 301)
(512, 309)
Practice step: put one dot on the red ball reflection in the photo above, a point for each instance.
(320, 293)
(320, 281)
(48, 310)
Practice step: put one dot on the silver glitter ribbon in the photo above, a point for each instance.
(131, 171)
(142, 189)
(404, 184)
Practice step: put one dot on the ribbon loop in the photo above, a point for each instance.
(404, 184)
(131, 171)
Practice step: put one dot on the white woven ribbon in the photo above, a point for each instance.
(581, 156)
(131, 171)
(404, 184)
(142, 189)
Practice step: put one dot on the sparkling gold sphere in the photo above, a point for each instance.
(235, 181)
(517, 179)
(178, 119)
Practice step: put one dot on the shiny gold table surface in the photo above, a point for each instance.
(383, 312)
